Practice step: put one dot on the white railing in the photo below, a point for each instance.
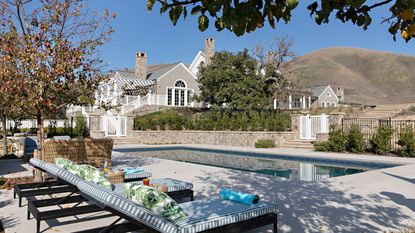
(32, 123)
(149, 99)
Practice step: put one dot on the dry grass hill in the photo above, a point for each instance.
(368, 76)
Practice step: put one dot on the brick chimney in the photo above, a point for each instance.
(209, 50)
(141, 66)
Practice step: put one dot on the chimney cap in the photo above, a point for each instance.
(141, 54)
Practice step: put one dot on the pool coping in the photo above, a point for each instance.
(304, 155)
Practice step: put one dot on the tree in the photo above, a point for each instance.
(58, 61)
(275, 62)
(232, 79)
(246, 16)
(9, 85)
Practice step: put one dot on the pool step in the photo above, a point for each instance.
(302, 144)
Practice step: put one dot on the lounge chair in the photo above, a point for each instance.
(208, 215)
(56, 186)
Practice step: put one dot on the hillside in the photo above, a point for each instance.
(367, 76)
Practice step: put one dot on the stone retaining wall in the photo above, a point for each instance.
(224, 138)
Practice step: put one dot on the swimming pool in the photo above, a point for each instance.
(288, 167)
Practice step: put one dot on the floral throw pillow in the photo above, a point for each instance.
(155, 201)
(90, 173)
(65, 163)
(86, 172)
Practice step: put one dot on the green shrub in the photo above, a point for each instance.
(265, 143)
(2, 180)
(355, 140)
(81, 127)
(337, 140)
(407, 142)
(381, 140)
(214, 119)
(51, 130)
(322, 146)
(335, 143)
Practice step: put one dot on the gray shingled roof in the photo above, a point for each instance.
(155, 74)
(317, 90)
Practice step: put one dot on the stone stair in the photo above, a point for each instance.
(385, 110)
(124, 140)
(297, 143)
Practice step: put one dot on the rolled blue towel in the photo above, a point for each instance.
(245, 198)
(130, 171)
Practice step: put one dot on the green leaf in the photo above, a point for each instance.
(175, 14)
(203, 23)
(220, 24)
(196, 10)
(150, 4)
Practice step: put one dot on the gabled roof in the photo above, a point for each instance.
(162, 69)
(194, 62)
(317, 90)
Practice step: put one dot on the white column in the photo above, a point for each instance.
(275, 103)
(309, 101)
(149, 98)
(324, 121)
(290, 100)
(303, 102)
(137, 103)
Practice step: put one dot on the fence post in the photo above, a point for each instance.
(323, 123)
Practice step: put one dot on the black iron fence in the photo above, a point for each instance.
(369, 126)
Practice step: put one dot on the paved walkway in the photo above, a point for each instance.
(373, 201)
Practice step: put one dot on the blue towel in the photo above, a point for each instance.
(245, 198)
(130, 171)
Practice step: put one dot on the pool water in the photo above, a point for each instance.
(297, 168)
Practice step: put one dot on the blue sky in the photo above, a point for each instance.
(138, 30)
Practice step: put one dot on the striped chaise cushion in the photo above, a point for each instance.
(137, 175)
(207, 214)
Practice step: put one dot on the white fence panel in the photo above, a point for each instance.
(310, 126)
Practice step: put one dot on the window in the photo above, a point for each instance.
(169, 96)
(323, 104)
(328, 94)
(180, 83)
(176, 97)
(181, 96)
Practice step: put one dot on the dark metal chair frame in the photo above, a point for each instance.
(40, 188)
(250, 224)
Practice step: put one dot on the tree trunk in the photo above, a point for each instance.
(40, 138)
(3, 122)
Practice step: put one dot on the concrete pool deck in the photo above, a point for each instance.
(373, 201)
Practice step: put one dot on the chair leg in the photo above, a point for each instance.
(37, 226)
(20, 201)
(275, 224)
(28, 213)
